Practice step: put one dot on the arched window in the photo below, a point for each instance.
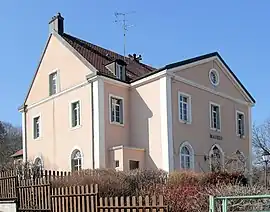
(216, 158)
(238, 162)
(76, 160)
(38, 164)
(186, 156)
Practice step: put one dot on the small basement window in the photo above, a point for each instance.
(133, 164)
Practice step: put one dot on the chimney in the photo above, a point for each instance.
(135, 57)
(57, 24)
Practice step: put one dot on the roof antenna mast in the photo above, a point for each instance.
(122, 18)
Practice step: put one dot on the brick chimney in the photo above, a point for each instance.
(56, 24)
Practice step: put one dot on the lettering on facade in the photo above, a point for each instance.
(217, 137)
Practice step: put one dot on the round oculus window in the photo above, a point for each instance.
(214, 77)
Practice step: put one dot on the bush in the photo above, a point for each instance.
(238, 190)
(185, 198)
(185, 178)
(115, 183)
(182, 191)
(215, 178)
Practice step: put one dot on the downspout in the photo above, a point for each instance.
(90, 79)
(92, 117)
(24, 134)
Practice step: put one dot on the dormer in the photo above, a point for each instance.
(118, 68)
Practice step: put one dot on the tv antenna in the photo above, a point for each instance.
(122, 18)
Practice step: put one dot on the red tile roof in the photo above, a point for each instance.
(18, 153)
(100, 57)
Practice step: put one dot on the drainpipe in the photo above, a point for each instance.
(89, 79)
(92, 117)
(24, 132)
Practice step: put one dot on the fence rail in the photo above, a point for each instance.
(37, 194)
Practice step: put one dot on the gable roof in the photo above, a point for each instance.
(17, 154)
(206, 56)
(100, 57)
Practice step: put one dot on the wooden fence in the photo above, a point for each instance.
(8, 185)
(37, 194)
(131, 204)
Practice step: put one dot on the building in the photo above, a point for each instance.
(17, 156)
(89, 107)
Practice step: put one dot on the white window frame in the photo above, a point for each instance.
(72, 157)
(71, 154)
(217, 74)
(190, 148)
(110, 108)
(210, 116)
(57, 81)
(118, 69)
(71, 114)
(33, 124)
(189, 112)
(236, 121)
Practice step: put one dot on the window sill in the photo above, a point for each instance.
(37, 139)
(216, 130)
(76, 127)
(187, 169)
(116, 123)
(241, 137)
(185, 122)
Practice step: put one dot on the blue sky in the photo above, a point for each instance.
(163, 32)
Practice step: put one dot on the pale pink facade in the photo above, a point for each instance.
(151, 134)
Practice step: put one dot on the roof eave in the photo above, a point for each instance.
(206, 56)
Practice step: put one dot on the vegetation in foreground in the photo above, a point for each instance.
(182, 191)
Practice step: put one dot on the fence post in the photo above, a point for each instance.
(17, 192)
(224, 205)
(96, 201)
(48, 180)
(211, 204)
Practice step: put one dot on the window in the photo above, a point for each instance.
(215, 116)
(184, 107)
(36, 127)
(238, 163)
(214, 77)
(116, 104)
(186, 156)
(75, 114)
(76, 160)
(53, 83)
(120, 71)
(216, 159)
(240, 123)
(133, 164)
(38, 164)
(117, 163)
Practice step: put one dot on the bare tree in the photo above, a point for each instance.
(261, 140)
(10, 141)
